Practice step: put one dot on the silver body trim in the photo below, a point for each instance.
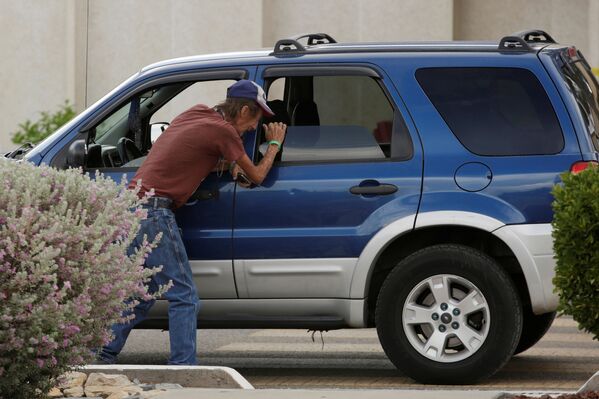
(294, 278)
(533, 246)
(214, 278)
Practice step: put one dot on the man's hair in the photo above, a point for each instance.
(231, 107)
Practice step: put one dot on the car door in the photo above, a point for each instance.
(206, 220)
(347, 168)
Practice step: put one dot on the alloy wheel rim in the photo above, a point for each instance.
(446, 318)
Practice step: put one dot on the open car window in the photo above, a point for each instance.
(124, 138)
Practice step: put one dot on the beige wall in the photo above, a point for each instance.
(565, 20)
(124, 37)
(55, 50)
(359, 20)
(37, 69)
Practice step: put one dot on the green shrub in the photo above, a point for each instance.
(576, 245)
(64, 271)
(34, 132)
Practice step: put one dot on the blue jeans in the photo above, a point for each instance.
(183, 303)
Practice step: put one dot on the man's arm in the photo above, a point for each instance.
(257, 173)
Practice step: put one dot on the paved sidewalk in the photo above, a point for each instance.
(200, 393)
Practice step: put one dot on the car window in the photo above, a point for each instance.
(494, 111)
(583, 86)
(124, 137)
(332, 118)
(208, 92)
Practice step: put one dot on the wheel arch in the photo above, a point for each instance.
(400, 239)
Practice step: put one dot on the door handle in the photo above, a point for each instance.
(381, 189)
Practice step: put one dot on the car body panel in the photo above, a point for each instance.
(300, 248)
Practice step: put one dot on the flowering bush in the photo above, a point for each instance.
(64, 270)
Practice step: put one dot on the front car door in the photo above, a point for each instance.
(119, 140)
(347, 168)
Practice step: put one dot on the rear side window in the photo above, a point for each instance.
(583, 85)
(336, 119)
(494, 111)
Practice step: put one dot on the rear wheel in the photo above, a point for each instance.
(448, 314)
(533, 328)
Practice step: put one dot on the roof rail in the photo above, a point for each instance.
(292, 44)
(519, 41)
(534, 36)
(513, 43)
(317, 38)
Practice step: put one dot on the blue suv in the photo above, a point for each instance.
(412, 193)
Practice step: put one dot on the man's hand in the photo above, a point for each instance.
(257, 173)
(235, 172)
(275, 131)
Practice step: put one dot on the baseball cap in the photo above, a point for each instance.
(248, 89)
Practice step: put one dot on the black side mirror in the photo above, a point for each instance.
(77, 154)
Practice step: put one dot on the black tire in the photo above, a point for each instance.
(533, 328)
(464, 264)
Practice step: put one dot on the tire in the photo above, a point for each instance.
(490, 325)
(533, 328)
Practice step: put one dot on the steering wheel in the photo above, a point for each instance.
(127, 149)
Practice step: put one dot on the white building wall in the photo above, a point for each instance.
(359, 20)
(36, 64)
(565, 20)
(124, 37)
(55, 50)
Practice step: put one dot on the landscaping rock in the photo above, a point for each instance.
(118, 395)
(75, 385)
(72, 379)
(105, 385)
(73, 392)
(55, 393)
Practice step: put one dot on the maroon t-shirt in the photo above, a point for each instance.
(186, 153)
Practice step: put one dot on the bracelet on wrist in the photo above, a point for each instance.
(275, 142)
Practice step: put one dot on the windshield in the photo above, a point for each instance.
(583, 85)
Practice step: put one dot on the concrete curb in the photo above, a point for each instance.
(197, 393)
(187, 376)
(592, 384)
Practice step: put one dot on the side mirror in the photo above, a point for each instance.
(156, 129)
(77, 154)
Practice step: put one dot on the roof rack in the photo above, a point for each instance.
(292, 44)
(534, 36)
(519, 41)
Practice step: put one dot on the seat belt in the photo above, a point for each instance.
(134, 122)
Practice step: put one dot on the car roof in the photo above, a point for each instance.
(320, 43)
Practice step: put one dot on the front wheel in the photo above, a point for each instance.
(448, 314)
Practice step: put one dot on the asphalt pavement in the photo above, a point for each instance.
(353, 359)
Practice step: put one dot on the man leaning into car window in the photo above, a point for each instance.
(179, 161)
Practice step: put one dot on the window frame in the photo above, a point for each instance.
(400, 133)
(139, 87)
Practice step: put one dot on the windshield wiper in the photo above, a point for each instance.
(21, 151)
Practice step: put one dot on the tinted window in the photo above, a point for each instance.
(333, 118)
(583, 85)
(494, 111)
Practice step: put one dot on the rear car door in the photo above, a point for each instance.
(349, 166)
